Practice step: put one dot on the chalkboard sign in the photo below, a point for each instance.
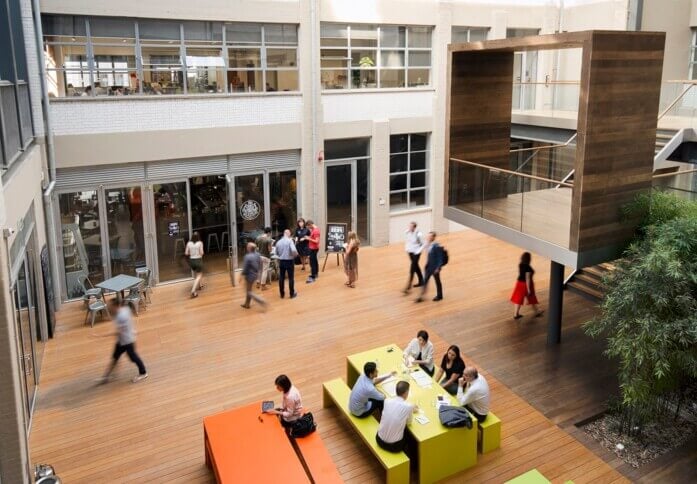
(336, 237)
(48, 291)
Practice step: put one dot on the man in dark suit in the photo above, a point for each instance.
(434, 262)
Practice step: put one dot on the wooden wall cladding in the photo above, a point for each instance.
(618, 110)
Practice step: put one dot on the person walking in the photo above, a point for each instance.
(414, 243)
(434, 262)
(351, 258)
(286, 252)
(524, 289)
(302, 238)
(251, 267)
(125, 342)
(194, 251)
(313, 245)
(264, 245)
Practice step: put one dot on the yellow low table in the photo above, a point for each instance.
(442, 451)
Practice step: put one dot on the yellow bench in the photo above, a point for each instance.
(490, 433)
(336, 392)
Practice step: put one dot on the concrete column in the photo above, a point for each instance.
(379, 206)
(556, 303)
(14, 454)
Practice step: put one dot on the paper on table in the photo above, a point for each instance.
(422, 379)
(422, 419)
(390, 387)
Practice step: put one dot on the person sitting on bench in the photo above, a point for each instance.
(292, 408)
(365, 399)
(396, 414)
(473, 393)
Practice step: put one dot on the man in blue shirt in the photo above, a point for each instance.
(286, 252)
(365, 398)
(434, 263)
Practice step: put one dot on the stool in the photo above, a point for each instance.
(145, 273)
(224, 238)
(213, 236)
(179, 242)
(490, 430)
(96, 307)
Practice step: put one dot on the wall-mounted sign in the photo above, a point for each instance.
(250, 210)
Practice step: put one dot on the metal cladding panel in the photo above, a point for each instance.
(90, 176)
(277, 160)
(185, 168)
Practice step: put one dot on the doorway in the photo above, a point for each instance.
(347, 195)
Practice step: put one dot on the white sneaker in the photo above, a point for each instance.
(140, 377)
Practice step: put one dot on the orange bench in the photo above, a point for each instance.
(317, 460)
(242, 446)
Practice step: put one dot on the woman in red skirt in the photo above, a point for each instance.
(525, 287)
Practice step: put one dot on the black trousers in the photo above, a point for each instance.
(375, 405)
(478, 416)
(429, 372)
(439, 286)
(414, 269)
(391, 446)
(287, 268)
(314, 263)
(130, 350)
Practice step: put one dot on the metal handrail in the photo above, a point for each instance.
(503, 170)
(675, 101)
(546, 147)
(674, 173)
(566, 178)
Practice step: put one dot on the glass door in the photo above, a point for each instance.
(250, 210)
(125, 245)
(348, 193)
(210, 218)
(171, 215)
(23, 320)
(524, 71)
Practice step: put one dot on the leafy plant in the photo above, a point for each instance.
(649, 313)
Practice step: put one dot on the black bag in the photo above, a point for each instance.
(305, 425)
(446, 258)
(451, 416)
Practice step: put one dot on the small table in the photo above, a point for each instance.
(435, 443)
(244, 446)
(120, 283)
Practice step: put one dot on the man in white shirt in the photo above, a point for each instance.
(396, 414)
(125, 343)
(473, 393)
(414, 243)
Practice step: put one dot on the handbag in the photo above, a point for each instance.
(305, 425)
(451, 416)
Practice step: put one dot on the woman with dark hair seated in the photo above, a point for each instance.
(292, 407)
(451, 368)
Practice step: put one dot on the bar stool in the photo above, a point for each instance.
(213, 236)
(179, 242)
(224, 239)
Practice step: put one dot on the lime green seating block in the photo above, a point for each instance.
(335, 392)
(531, 477)
(490, 433)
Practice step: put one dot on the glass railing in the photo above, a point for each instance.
(681, 183)
(548, 161)
(534, 205)
(678, 105)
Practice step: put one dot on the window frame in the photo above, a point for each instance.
(692, 61)
(403, 48)
(409, 172)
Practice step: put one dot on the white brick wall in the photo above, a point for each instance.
(362, 106)
(32, 67)
(162, 113)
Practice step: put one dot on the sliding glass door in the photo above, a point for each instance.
(171, 217)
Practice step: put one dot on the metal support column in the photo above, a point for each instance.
(556, 303)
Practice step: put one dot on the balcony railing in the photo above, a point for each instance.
(534, 205)
(681, 183)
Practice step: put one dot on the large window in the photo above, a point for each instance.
(693, 56)
(469, 34)
(408, 171)
(16, 131)
(370, 56)
(99, 56)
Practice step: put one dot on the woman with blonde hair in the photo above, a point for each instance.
(351, 258)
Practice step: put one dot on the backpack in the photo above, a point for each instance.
(446, 257)
(451, 416)
(302, 427)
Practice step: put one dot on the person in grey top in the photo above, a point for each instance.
(251, 267)
(123, 319)
(365, 399)
(286, 252)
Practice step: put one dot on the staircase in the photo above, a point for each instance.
(588, 282)
(663, 136)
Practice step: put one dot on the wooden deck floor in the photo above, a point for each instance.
(207, 354)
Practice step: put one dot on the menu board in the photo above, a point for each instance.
(336, 237)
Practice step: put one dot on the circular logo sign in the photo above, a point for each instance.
(250, 210)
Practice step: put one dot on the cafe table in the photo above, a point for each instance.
(442, 451)
(120, 283)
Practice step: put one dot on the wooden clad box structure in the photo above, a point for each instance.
(618, 108)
